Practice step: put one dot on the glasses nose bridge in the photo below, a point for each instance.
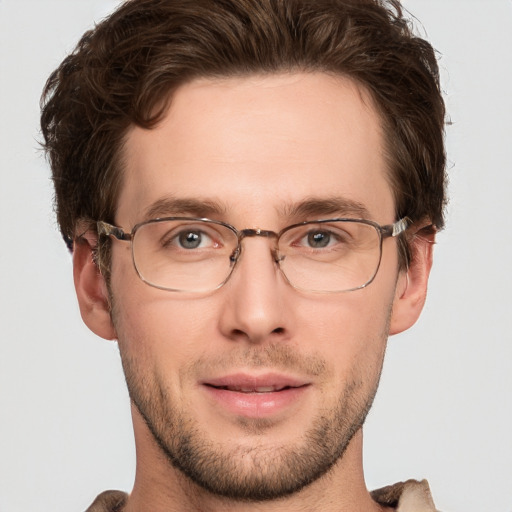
(252, 233)
(248, 233)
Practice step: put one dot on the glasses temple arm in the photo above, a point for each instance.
(104, 228)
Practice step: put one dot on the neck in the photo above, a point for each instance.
(160, 487)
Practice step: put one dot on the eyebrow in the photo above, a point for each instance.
(330, 206)
(308, 208)
(172, 206)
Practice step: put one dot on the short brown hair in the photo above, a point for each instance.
(123, 72)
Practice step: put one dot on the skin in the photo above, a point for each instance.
(249, 146)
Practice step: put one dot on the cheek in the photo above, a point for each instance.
(156, 340)
(158, 329)
(350, 331)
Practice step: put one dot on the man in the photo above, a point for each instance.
(251, 190)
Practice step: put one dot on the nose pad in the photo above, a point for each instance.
(235, 258)
(277, 257)
(235, 255)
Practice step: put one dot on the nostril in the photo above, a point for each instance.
(278, 330)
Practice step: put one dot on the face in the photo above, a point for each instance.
(256, 389)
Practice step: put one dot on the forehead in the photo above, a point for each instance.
(256, 146)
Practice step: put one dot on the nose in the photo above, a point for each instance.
(256, 306)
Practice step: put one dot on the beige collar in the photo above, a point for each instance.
(409, 496)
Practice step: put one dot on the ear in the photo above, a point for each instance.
(91, 289)
(411, 290)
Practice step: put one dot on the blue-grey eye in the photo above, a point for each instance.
(319, 239)
(190, 239)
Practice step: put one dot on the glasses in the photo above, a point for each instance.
(184, 254)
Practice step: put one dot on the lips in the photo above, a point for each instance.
(244, 383)
(255, 396)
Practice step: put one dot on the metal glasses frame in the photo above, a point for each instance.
(386, 231)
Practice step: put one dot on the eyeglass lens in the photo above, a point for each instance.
(196, 255)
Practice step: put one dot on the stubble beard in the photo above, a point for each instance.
(259, 472)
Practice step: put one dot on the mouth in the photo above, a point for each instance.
(267, 383)
(258, 389)
(256, 396)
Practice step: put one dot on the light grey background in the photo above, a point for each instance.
(444, 410)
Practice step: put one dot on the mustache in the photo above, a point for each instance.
(275, 356)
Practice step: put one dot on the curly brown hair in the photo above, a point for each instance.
(124, 71)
